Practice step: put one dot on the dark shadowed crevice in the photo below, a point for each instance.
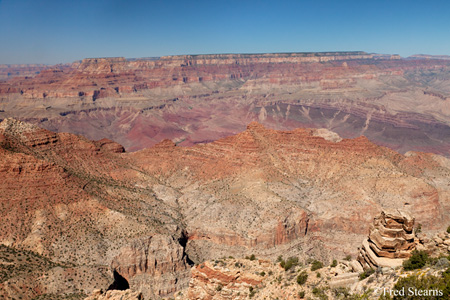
(183, 242)
(120, 283)
(306, 226)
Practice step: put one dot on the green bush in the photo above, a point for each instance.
(289, 263)
(417, 260)
(348, 257)
(251, 257)
(334, 263)
(316, 265)
(448, 229)
(252, 292)
(436, 287)
(301, 294)
(319, 293)
(366, 274)
(418, 228)
(302, 278)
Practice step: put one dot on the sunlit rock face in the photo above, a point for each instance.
(91, 208)
(402, 104)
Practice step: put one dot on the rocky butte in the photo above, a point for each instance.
(403, 104)
(76, 211)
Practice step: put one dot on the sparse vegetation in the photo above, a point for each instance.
(417, 260)
(432, 284)
(75, 296)
(21, 262)
(334, 263)
(366, 274)
(319, 293)
(316, 265)
(448, 229)
(302, 278)
(289, 263)
(348, 257)
(251, 257)
(252, 292)
(418, 228)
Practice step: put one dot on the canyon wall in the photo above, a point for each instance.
(190, 99)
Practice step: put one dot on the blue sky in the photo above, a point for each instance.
(59, 31)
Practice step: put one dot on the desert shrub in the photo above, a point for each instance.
(289, 263)
(418, 228)
(341, 291)
(252, 292)
(436, 287)
(417, 260)
(316, 265)
(251, 257)
(448, 229)
(301, 294)
(442, 263)
(366, 274)
(348, 257)
(302, 278)
(319, 293)
(334, 263)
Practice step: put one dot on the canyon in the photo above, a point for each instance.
(92, 209)
(153, 178)
(400, 103)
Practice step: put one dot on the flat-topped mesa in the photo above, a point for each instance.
(103, 65)
(390, 240)
(102, 60)
(214, 59)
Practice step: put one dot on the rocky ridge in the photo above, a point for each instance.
(155, 266)
(402, 104)
(230, 278)
(87, 205)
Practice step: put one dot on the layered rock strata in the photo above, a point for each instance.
(115, 295)
(391, 240)
(209, 281)
(300, 193)
(402, 104)
(155, 266)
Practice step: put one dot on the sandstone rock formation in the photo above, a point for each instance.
(437, 246)
(115, 295)
(156, 266)
(391, 239)
(402, 104)
(83, 204)
(20, 70)
(211, 282)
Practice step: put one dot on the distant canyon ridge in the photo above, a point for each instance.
(403, 104)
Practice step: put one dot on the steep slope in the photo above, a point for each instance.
(402, 104)
(263, 188)
(59, 198)
(306, 192)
